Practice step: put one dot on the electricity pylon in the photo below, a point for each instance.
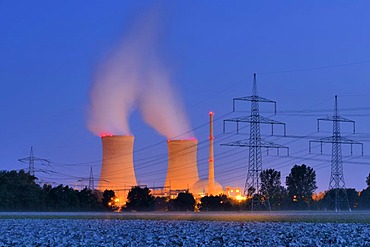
(254, 143)
(91, 180)
(31, 162)
(337, 183)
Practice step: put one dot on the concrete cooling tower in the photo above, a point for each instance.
(182, 170)
(117, 172)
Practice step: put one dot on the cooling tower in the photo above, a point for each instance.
(182, 170)
(117, 172)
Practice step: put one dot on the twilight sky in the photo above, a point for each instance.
(304, 53)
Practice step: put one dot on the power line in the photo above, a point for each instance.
(314, 68)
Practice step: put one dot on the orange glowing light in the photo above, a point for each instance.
(211, 113)
(295, 198)
(240, 198)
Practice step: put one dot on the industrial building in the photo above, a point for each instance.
(182, 172)
(117, 172)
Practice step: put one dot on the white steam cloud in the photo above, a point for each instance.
(134, 77)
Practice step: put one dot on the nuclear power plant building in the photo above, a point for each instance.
(117, 172)
(182, 170)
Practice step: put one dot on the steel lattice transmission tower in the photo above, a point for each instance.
(91, 180)
(337, 184)
(31, 162)
(254, 143)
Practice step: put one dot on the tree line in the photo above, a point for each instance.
(298, 195)
(20, 192)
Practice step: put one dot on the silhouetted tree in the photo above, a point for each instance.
(108, 197)
(272, 190)
(160, 203)
(280, 201)
(368, 180)
(364, 199)
(210, 203)
(352, 197)
(89, 200)
(328, 200)
(184, 202)
(72, 198)
(259, 202)
(65, 198)
(239, 205)
(270, 182)
(140, 199)
(60, 198)
(19, 191)
(301, 183)
(215, 203)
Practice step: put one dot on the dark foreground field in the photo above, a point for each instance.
(185, 229)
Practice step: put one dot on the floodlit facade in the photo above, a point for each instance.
(201, 188)
(117, 172)
(182, 170)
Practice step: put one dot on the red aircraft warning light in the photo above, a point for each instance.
(105, 134)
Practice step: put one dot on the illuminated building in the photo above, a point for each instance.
(182, 170)
(117, 172)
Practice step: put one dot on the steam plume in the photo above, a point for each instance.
(134, 77)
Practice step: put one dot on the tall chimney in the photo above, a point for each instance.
(182, 170)
(211, 163)
(117, 172)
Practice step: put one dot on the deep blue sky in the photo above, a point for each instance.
(49, 52)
